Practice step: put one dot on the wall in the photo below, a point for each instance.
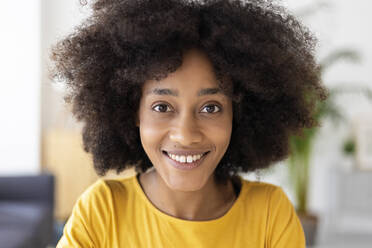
(58, 19)
(20, 87)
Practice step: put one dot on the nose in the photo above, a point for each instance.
(186, 131)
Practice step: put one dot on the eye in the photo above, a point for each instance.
(211, 108)
(160, 107)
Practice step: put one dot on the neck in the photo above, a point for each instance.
(210, 202)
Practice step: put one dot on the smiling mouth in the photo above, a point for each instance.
(185, 165)
(178, 157)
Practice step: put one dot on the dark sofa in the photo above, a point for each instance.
(26, 211)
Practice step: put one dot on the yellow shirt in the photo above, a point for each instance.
(117, 213)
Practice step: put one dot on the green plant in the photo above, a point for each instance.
(348, 147)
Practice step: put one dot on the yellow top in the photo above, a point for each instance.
(117, 213)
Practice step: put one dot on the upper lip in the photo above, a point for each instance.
(186, 152)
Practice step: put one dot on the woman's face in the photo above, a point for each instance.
(185, 113)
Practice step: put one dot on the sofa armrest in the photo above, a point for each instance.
(32, 188)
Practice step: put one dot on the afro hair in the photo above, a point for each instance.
(259, 51)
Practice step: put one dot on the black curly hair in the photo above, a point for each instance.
(259, 51)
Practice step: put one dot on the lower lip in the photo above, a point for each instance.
(185, 166)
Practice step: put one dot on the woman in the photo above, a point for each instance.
(190, 94)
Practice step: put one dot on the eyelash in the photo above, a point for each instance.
(163, 104)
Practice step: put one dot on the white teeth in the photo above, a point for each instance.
(189, 159)
(184, 159)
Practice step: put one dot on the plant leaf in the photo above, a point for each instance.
(350, 55)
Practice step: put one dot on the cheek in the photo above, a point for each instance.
(151, 133)
(222, 138)
(220, 131)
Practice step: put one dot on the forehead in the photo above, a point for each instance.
(195, 73)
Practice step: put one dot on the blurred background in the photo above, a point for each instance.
(43, 168)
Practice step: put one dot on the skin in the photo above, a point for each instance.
(185, 122)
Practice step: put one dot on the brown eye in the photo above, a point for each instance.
(160, 108)
(212, 108)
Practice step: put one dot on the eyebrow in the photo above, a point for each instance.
(166, 91)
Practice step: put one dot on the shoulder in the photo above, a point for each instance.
(89, 218)
(94, 213)
(270, 199)
(282, 225)
(99, 199)
(93, 205)
(97, 194)
(105, 189)
(267, 192)
(275, 197)
(98, 189)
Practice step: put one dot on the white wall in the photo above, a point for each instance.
(19, 87)
(58, 19)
